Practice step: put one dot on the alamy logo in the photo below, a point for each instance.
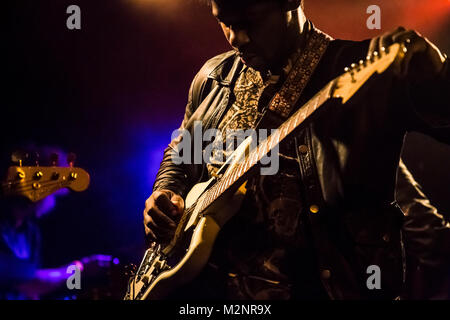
(374, 20)
(74, 280)
(191, 149)
(74, 20)
(374, 280)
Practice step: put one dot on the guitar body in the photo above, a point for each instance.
(203, 229)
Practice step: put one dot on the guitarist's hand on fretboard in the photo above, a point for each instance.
(163, 210)
(427, 60)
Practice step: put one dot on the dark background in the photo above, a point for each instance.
(113, 92)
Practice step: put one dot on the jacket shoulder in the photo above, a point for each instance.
(213, 70)
(214, 67)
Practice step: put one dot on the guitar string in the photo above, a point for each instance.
(8, 183)
(29, 186)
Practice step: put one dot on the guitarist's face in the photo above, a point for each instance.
(257, 31)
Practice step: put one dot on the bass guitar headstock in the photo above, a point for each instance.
(37, 182)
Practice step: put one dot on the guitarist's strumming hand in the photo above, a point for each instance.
(422, 61)
(163, 210)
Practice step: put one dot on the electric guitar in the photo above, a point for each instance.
(209, 205)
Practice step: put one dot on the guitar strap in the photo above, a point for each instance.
(284, 101)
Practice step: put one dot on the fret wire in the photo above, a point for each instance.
(275, 139)
(268, 143)
(208, 202)
(292, 125)
(316, 102)
(220, 190)
(309, 105)
(252, 158)
(223, 183)
(228, 181)
(306, 112)
(260, 148)
(212, 198)
(233, 176)
(232, 173)
(215, 193)
(265, 145)
(235, 170)
(247, 164)
(308, 108)
(296, 118)
(221, 187)
(286, 131)
(208, 196)
(241, 170)
(255, 155)
(236, 173)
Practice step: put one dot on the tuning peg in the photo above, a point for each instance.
(71, 157)
(19, 157)
(34, 157)
(350, 70)
(54, 159)
(375, 55)
(356, 67)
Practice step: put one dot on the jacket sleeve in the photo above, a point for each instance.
(427, 233)
(179, 177)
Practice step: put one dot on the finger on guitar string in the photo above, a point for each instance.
(156, 207)
(159, 230)
(149, 234)
(165, 202)
(159, 217)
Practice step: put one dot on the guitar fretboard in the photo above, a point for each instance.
(240, 170)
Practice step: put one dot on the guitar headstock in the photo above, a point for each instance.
(354, 77)
(37, 182)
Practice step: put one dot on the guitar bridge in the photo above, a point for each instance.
(153, 263)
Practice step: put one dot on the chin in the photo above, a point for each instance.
(256, 63)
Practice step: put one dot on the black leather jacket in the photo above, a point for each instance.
(349, 157)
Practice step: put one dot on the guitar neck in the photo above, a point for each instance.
(241, 170)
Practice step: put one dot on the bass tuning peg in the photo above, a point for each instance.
(19, 157)
(71, 157)
(54, 159)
